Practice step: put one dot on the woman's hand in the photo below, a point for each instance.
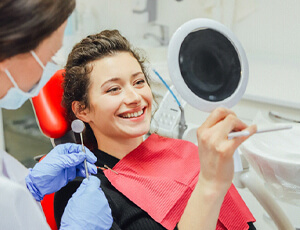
(216, 150)
(216, 172)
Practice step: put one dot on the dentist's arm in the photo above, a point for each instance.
(217, 169)
(61, 165)
(88, 208)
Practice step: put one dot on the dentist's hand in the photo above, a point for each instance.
(88, 208)
(61, 165)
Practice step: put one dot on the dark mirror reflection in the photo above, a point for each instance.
(209, 65)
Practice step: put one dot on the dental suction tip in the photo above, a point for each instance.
(77, 126)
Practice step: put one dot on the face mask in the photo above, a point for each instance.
(15, 97)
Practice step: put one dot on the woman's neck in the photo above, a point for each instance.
(120, 147)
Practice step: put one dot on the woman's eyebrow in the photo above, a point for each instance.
(136, 74)
(111, 80)
(114, 79)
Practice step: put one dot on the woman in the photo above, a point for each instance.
(107, 87)
(31, 32)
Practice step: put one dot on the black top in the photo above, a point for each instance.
(126, 214)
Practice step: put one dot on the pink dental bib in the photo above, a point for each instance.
(159, 177)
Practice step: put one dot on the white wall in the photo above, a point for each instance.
(263, 26)
(96, 15)
(273, 28)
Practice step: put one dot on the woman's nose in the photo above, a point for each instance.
(132, 96)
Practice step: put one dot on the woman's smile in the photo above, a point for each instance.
(132, 114)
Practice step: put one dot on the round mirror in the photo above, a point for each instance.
(207, 65)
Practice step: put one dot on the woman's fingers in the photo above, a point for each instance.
(216, 116)
(214, 132)
(237, 141)
(230, 123)
(216, 150)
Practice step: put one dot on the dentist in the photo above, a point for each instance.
(31, 32)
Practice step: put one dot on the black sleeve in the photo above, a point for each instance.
(251, 226)
(62, 197)
(115, 226)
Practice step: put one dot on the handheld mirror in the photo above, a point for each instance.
(207, 65)
(78, 127)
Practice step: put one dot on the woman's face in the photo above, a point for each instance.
(120, 98)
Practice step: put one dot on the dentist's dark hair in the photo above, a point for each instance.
(24, 24)
(78, 68)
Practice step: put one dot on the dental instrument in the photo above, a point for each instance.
(271, 128)
(78, 127)
(106, 167)
(282, 117)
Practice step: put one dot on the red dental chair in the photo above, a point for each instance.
(51, 118)
(50, 114)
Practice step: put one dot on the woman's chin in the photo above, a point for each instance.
(137, 132)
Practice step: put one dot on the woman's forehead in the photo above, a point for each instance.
(114, 66)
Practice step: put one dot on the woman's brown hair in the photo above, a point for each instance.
(77, 76)
(25, 23)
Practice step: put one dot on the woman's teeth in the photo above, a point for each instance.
(130, 115)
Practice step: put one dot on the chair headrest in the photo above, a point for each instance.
(49, 111)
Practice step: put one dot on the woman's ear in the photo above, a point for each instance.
(80, 111)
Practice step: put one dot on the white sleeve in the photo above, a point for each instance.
(18, 209)
(12, 169)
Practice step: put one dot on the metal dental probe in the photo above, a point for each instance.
(78, 127)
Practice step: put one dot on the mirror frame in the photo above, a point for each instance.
(175, 73)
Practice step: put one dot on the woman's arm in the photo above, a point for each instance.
(203, 208)
(217, 169)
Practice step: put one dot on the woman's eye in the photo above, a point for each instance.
(140, 82)
(112, 90)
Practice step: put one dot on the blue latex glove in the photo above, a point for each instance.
(61, 165)
(88, 208)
